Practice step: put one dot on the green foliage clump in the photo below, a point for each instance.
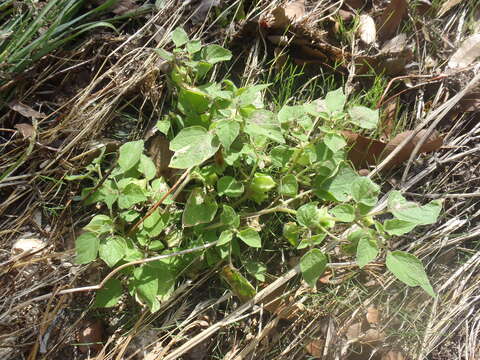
(243, 161)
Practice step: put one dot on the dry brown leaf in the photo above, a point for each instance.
(26, 130)
(373, 315)
(354, 331)
(90, 335)
(315, 348)
(395, 45)
(372, 335)
(447, 6)
(393, 355)
(367, 30)
(124, 6)
(391, 18)
(387, 120)
(159, 150)
(466, 54)
(365, 152)
(283, 16)
(27, 245)
(25, 110)
(470, 102)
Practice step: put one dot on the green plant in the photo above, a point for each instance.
(240, 161)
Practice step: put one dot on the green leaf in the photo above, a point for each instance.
(225, 237)
(256, 269)
(100, 224)
(146, 285)
(227, 131)
(398, 227)
(228, 186)
(155, 223)
(192, 146)
(250, 237)
(261, 184)
(334, 142)
(413, 212)
(291, 232)
(194, 46)
(215, 53)
(132, 194)
(367, 250)
(335, 100)
(364, 117)
(164, 54)
(112, 250)
(237, 282)
(337, 188)
(229, 217)
(130, 154)
(163, 125)
(365, 191)
(199, 209)
(288, 113)
(263, 122)
(179, 37)
(193, 100)
(281, 155)
(408, 269)
(344, 213)
(86, 248)
(307, 215)
(147, 167)
(158, 190)
(310, 241)
(312, 265)
(109, 295)
(288, 185)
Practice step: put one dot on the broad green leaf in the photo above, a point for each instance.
(229, 217)
(260, 186)
(317, 107)
(288, 185)
(132, 194)
(334, 142)
(344, 213)
(193, 101)
(228, 186)
(398, 227)
(112, 250)
(310, 241)
(86, 248)
(146, 286)
(367, 250)
(312, 265)
(215, 53)
(263, 122)
(155, 223)
(194, 46)
(162, 270)
(163, 125)
(413, 212)
(129, 215)
(130, 154)
(337, 188)
(256, 269)
(281, 155)
(100, 224)
(364, 117)
(192, 146)
(109, 295)
(237, 282)
(408, 269)
(227, 131)
(199, 209)
(250, 237)
(158, 190)
(147, 167)
(179, 37)
(335, 100)
(164, 54)
(307, 215)
(288, 113)
(365, 191)
(250, 95)
(225, 237)
(291, 232)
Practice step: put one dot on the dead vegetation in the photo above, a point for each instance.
(110, 87)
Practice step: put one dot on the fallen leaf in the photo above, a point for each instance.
(159, 151)
(283, 16)
(466, 54)
(367, 30)
(373, 315)
(391, 18)
(26, 130)
(395, 45)
(354, 331)
(25, 110)
(470, 102)
(365, 152)
(124, 6)
(393, 355)
(447, 6)
(372, 335)
(315, 348)
(90, 335)
(387, 120)
(27, 245)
